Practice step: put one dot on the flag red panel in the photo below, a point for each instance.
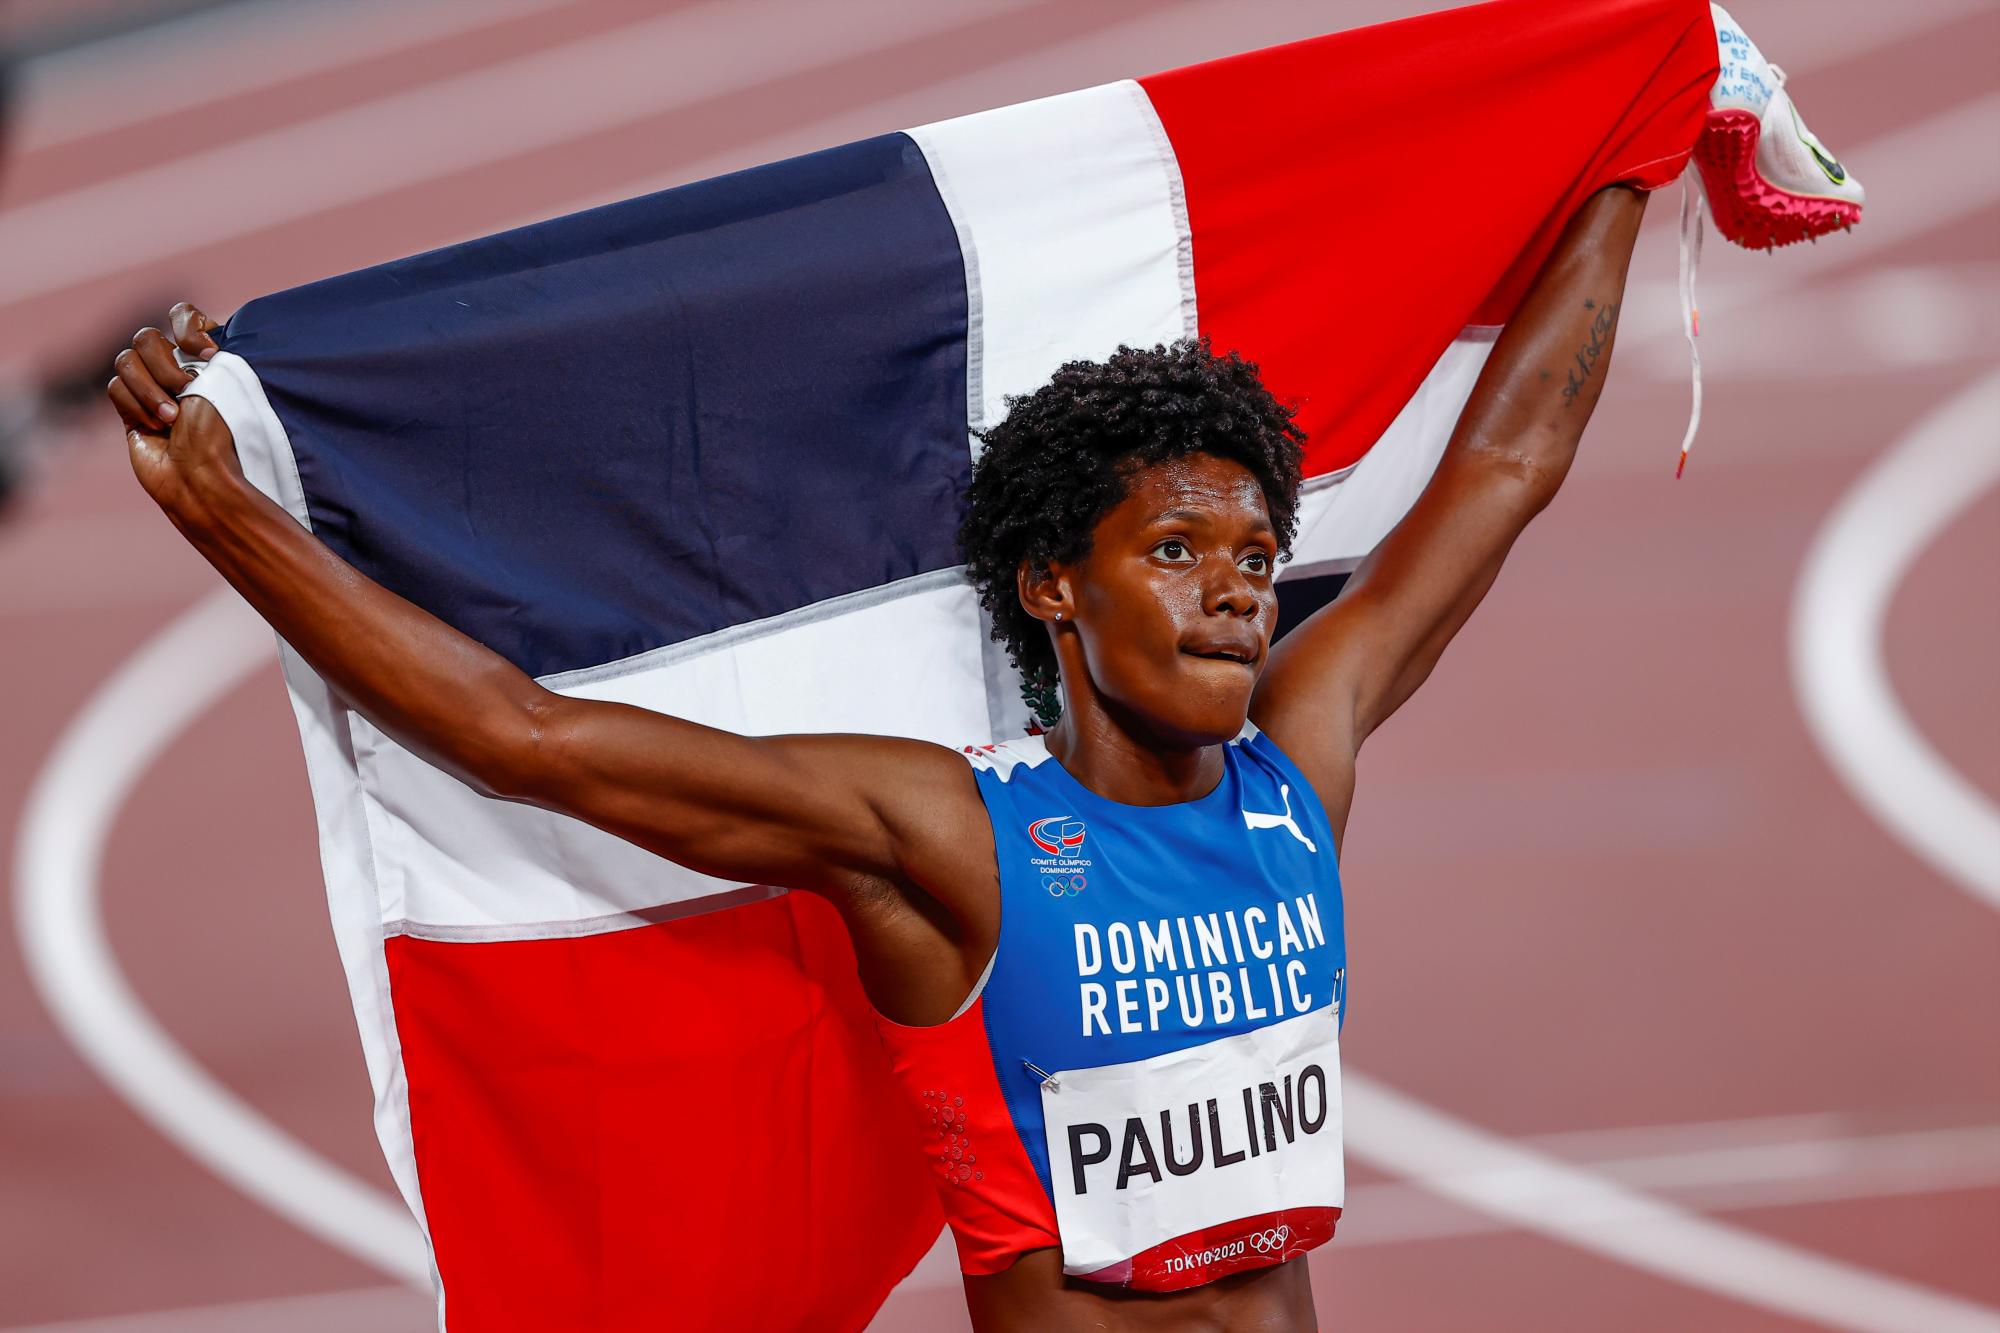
(1402, 219)
(599, 1120)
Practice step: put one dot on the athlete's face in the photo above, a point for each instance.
(1171, 611)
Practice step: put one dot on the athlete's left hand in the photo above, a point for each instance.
(149, 375)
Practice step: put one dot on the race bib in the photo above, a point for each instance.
(1174, 1170)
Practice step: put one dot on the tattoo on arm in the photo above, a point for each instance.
(1588, 355)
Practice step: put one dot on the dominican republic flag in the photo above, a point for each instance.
(702, 452)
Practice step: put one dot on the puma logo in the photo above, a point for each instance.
(1257, 819)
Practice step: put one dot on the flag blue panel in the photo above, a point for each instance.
(624, 428)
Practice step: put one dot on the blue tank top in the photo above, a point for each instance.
(1162, 1012)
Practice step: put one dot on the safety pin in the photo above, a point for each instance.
(1049, 1081)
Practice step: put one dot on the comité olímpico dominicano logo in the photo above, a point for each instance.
(1058, 856)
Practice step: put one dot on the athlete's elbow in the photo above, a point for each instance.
(506, 752)
(1527, 473)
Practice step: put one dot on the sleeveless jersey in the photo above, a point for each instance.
(1148, 1073)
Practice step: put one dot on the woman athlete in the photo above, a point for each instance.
(1125, 524)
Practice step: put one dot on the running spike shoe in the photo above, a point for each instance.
(1769, 181)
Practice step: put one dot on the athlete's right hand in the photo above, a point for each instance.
(173, 445)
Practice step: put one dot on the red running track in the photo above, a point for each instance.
(1607, 897)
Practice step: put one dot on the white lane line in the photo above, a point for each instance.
(87, 562)
(1841, 1168)
(489, 115)
(1712, 1166)
(1919, 178)
(1721, 1179)
(194, 663)
(1938, 169)
(1540, 1193)
(1773, 1276)
(1862, 552)
(217, 53)
(131, 720)
(496, 113)
(1876, 319)
(376, 1309)
(1917, 1162)
(1144, 40)
(224, 53)
(1628, 1142)
(1810, 37)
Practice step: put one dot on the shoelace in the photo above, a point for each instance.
(1694, 205)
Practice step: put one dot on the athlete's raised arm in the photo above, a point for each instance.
(1339, 675)
(892, 829)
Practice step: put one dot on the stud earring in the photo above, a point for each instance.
(1058, 615)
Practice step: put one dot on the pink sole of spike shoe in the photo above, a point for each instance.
(1748, 209)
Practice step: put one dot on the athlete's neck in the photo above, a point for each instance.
(1120, 763)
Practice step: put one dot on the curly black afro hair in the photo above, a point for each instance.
(1063, 457)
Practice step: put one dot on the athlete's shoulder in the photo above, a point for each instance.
(1255, 740)
(1327, 795)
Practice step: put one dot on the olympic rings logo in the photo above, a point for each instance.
(1274, 1239)
(1063, 886)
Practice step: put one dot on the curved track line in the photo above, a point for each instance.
(1539, 1193)
(1862, 552)
(179, 674)
(195, 662)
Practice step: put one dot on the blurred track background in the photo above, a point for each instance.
(1684, 869)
